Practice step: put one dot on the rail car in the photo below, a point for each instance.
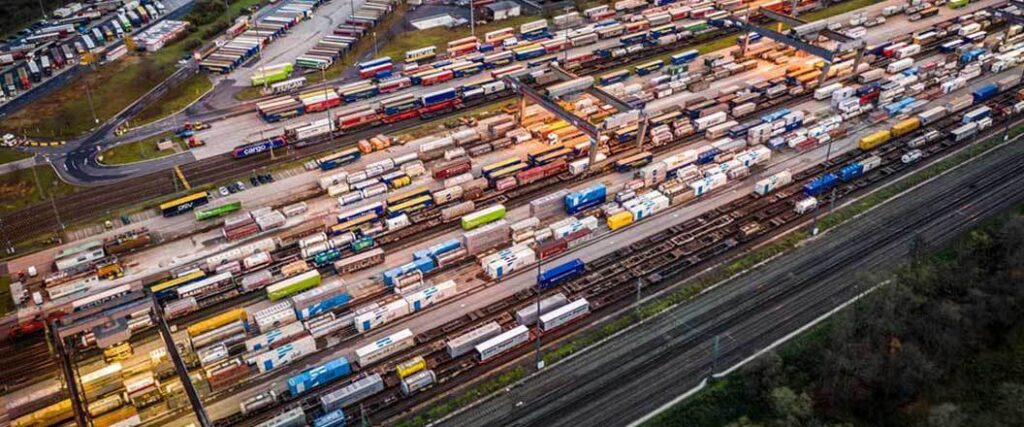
(560, 274)
(635, 161)
(184, 204)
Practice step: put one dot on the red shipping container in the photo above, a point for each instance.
(440, 106)
(505, 184)
(405, 115)
(450, 169)
(549, 249)
(437, 78)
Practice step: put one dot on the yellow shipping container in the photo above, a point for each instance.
(906, 126)
(410, 367)
(217, 321)
(50, 415)
(112, 418)
(874, 140)
(620, 220)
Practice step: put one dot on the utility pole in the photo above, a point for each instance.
(828, 156)
(472, 19)
(714, 356)
(538, 361)
(88, 94)
(638, 284)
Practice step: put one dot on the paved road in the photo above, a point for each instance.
(634, 374)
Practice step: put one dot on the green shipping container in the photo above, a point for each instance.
(293, 285)
(362, 244)
(697, 26)
(483, 216)
(217, 211)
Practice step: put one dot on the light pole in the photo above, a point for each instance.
(472, 19)
(538, 361)
(88, 94)
(374, 33)
(828, 155)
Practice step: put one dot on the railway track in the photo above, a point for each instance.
(654, 262)
(41, 218)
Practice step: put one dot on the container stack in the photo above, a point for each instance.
(240, 226)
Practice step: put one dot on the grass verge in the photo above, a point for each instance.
(138, 151)
(65, 113)
(19, 189)
(175, 100)
(478, 391)
(8, 155)
(737, 266)
(837, 9)
(6, 302)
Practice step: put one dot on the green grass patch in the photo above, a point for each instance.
(65, 112)
(880, 196)
(8, 155)
(19, 189)
(465, 398)
(249, 93)
(837, 9)
(141, 150)
(439, 37)
(175, 100)
(6, 302)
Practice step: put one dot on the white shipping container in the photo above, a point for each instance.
(285, 354)
(436, 294)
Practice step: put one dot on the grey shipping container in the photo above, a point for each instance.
(549, 205)
(527, 316)
(353, 393)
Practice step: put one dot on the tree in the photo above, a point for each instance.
(744, 422)
(790, 408)
(1010, 407)
(945, 415)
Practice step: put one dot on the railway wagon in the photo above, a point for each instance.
(184, 204)
(411, 366)
(294, 417)
(385, 347)
(874, 140)
(483, 216)
(633, 162)
(319, 375)
(561, 273)
(293, 285)
(564, 315)
(216, 211)
(502, 343)
(353, 393)
(578, 201)
(335, 418)
(217, 321)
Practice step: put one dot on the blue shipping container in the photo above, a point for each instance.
(560, 274)
(986, 92)
(707, 155)
(324, 306)
(335, 418)
(317, 376)
(438, 97)
(587, 198)
(820, 184)
(851, 171)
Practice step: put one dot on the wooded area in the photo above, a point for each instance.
(941, 346)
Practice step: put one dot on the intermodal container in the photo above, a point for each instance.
(317, 376)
